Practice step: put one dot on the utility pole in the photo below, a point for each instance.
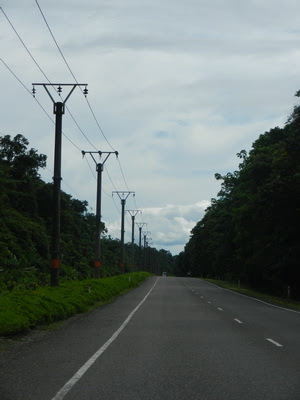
(145, 233)
(58, 110)
(140, 225)
(149, 242)
(150, 263)
(123, 197)
(133, 214)
(99, 169)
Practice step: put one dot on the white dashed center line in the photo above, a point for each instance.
(238, 321)
(273, 342)
(220, 309)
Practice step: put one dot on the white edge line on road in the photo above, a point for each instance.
(238, 321)
(252, 298)
(75, 378)
(273, 341)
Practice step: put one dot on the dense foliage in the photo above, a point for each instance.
(26, 222)
(21, 310)
(251, 231)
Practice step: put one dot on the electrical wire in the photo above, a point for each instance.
(46, 77)
(24, 45)
(70, 187)
(40, 105)
(87, 161)
(70, 70)
(61, 53)
(87, 139)
(123, 174)
(110, 178)
(74, 77)
(104, 191)
(117, 208)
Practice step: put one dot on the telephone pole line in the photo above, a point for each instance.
(145, 233)
(58, 110)
(140, 226)
(123, 195)
(99, 169)
(133, 214)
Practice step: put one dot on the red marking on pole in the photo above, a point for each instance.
(97, 264)
(122, 265)
(55, 264)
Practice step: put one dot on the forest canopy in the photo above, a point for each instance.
(251, 230)
(26, 225)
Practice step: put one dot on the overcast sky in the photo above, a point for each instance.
(177, 88)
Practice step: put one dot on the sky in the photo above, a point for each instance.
(178, 88)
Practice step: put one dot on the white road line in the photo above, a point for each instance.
(202, 297)
(209, 302)
(238, 321)
(220, 309)
(273, 342)
(252, 298)
(75, 378)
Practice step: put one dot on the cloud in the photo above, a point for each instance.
(170, 225)
(178, 88)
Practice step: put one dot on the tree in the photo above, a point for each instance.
(251, 230)
(21, 162)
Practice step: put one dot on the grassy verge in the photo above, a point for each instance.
(22, 310)
(295, 305)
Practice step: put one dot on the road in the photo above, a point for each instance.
(170, 338)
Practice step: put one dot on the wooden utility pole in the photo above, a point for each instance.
(58, 110)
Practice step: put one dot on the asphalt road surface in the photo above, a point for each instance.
(170, 338)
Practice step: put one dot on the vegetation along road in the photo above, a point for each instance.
(170, 338)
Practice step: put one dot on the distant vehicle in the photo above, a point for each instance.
(164, 274)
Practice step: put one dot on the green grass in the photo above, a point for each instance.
(22, 310)
(278, 301)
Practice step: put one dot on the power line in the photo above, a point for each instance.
(104, 191)
(87, 100)
(26, 48)
(87, 161)
(123, 174)
(71, 72)
(88, 103)
(28, 91)
(73, 75)
(117, 208)
(79, 127)
(51, 119)
(61, 53)
(97, 123)
(46, 77)
(110, 178)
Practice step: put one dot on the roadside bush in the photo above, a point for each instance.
(22, 310)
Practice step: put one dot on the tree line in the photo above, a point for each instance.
(250, 232)
(26, 224)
